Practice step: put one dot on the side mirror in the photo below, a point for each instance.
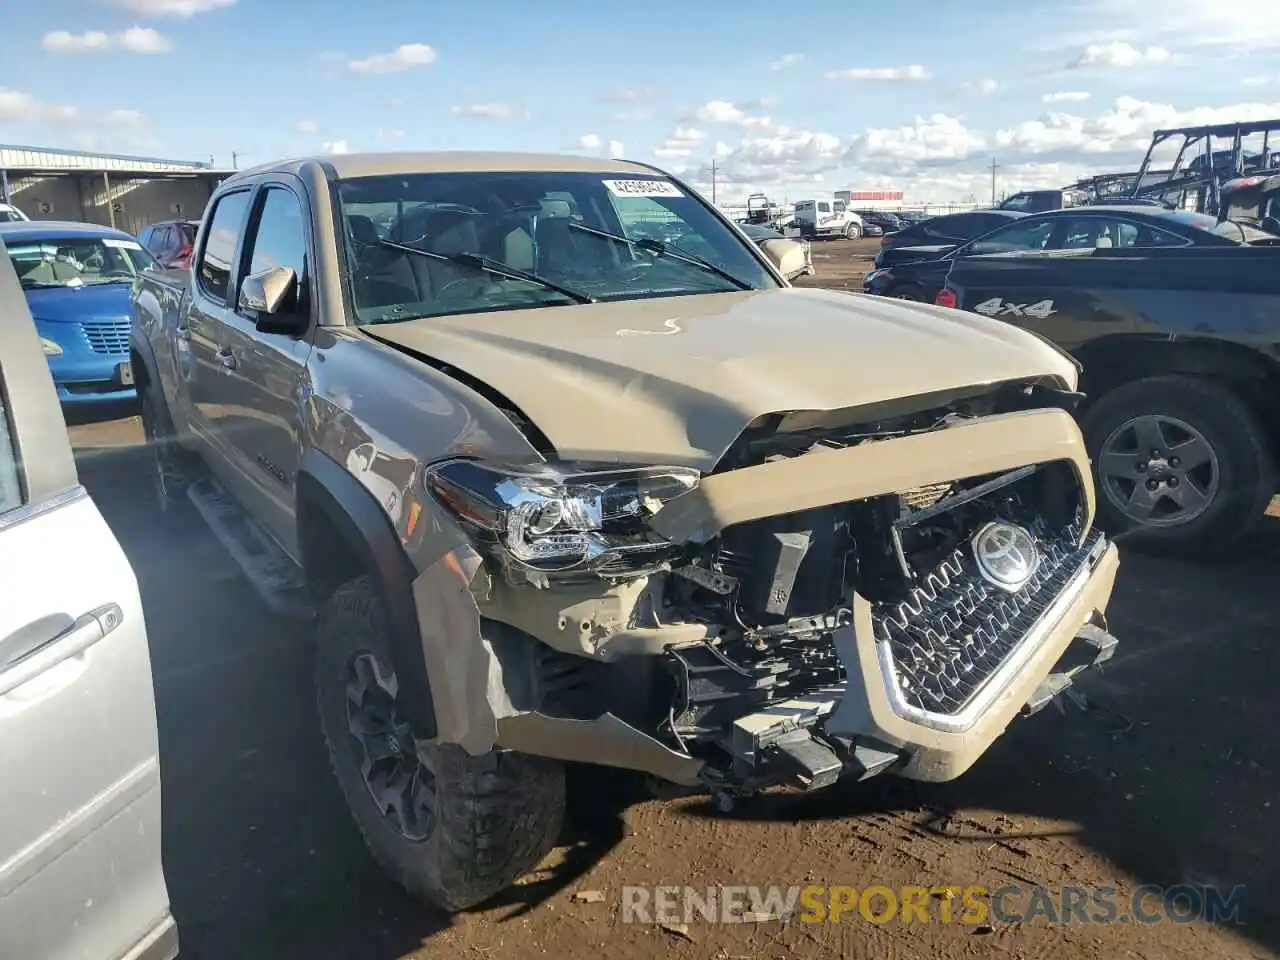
(268, 294)
(787, 256)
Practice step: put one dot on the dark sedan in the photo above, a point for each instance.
(1077, 228)
(939, 235)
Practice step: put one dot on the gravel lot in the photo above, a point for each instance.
(1172, 778)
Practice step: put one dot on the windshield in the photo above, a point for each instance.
(9, 215)
(77, 261)
(525, 222)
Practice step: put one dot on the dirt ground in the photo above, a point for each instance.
(1172, 778)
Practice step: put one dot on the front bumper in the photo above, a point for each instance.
(92, 380)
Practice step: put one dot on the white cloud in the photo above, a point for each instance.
(488, 111)
(1124, 130)
(1065, 96)
(335, 146)
(630, 95)
(787, 60)
(183, 9)
(594, 143)
(407, 56)
(1118, 55)
(144, 40)
(981, 88)
(308, 126)
(1272, 80)
(1245, 25)
(799, 156)
(20, 107)
(730, 114)
(930, 140)
(633, 116)
(682, 143)
(909, 74)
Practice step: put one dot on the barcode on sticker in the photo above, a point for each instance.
(121, 244)
(643, 188)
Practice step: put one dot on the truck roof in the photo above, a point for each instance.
(346, 165)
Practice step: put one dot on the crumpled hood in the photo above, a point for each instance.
(676, 380)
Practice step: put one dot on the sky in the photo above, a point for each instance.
(792, 99)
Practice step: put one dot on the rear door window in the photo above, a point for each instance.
(218, 255)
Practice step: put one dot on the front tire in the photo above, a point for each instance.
(852, 232)
(451, 828)
(172, 466)
(1181, 463)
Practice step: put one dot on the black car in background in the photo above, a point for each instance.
(1101, 227)
(882, 220)
(1171, 315)
(938, 235)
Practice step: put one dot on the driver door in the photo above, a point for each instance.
(80, 865)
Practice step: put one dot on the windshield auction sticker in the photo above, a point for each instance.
(643, 188)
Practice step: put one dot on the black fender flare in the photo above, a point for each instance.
(141, 346)
(324, 487)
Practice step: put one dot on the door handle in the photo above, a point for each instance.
(226, 359)
(47, 642)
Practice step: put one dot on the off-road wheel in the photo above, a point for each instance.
(172, 468)
(451, 828)
(852, 231)
(1181, 464)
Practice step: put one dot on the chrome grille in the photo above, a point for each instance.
(955, 630)
(108, 337)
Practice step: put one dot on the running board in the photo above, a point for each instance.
(269, 569)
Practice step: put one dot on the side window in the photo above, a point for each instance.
(280, 240)
(839, 206)
(220, 245)
(946, 229)
(824, 207)
(10, 489)
(1019, 201)
(1017, 238)
(1081, 233)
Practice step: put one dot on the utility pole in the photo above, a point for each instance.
(993, 181)
(713, 182)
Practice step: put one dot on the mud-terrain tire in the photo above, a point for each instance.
(1242, 460)
(172, 467)
(494, 816)
(852, 231)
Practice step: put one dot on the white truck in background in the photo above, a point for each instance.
(827, 217)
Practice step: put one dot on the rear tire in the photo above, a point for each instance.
(905, 292)
(451, 828)
(1232, 482)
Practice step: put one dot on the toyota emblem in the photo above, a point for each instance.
(1006, 554)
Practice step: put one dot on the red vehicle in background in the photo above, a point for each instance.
(171, 242)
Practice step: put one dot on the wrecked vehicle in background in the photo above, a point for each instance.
(561, 493)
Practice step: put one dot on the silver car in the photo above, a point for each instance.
(80, 870)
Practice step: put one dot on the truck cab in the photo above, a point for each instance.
(827, 217)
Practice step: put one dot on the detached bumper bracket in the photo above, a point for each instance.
(1091, 647)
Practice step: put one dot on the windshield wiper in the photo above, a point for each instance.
(660, 249)
(486, 265)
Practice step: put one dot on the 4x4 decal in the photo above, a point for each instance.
(996, 307)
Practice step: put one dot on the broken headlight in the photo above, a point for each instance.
(558, 517)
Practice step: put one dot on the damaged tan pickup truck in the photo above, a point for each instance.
(559, 490)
